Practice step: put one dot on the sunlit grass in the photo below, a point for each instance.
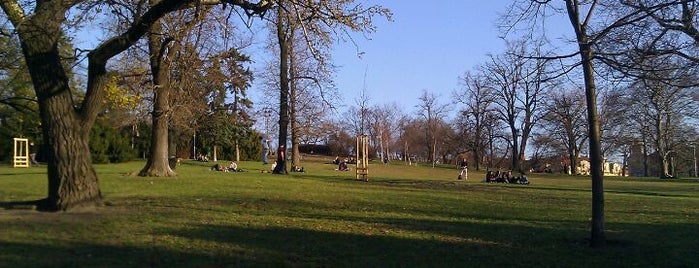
(404, 216)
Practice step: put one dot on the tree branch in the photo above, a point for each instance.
(14, 11)
(97, 59)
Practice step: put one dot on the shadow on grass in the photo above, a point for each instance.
(472, 245)
(16, 254)
(37, 172)
(23, 205)
(630, 192)
(374, 242)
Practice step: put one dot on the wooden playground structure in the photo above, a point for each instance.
(20, 153)
(362, 156)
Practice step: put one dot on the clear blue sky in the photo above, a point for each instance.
(427, 46)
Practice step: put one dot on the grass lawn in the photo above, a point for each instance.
(406, 216)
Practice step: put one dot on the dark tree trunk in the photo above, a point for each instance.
(477, 143)
(572, 148)
(515, 148)
(597, 237)
(282, 36)
(645, 158)
(573, 158)
(295, 154)
(72, 181)
(158, 164)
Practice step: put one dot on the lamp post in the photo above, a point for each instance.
(267, 113)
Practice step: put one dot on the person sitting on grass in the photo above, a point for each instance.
(217, 167)
(297, 169)
(513, 179)
(342, 166)
(523, 179)
(232, 166)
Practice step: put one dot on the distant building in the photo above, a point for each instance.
(608, 168)
(636, 161)
(612, 169)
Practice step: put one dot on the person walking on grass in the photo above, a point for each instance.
(463, 175)
(32, 153)
(265, 149)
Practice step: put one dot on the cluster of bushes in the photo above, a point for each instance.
(110, 145)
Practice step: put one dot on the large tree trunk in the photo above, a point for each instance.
(295, 154)
(645, 157)
(282, 36)
(72, 181)
(158, 164)
(660, 144)
(515, 147)
(477, 144)
(573, 151)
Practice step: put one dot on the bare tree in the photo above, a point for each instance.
(581, 15)
(382, 121)
(518, 83)
(664, 108)
(431, 112)
(315, 20)
(478, 98)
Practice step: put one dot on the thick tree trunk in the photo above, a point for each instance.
(572, 149)
(295, 154)
(660, 144)
(523, 147)
(72, 181)
(158, 164)
(477, 142)
(282, 37)
(515, 147)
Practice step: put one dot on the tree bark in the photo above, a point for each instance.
(597, 237)
(158, 164)
(72, 181)
(477, 142)
(515, 147)
(282, 37)
(295, 154)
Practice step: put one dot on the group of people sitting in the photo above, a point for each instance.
(505, 177)
(232, 167)
(202, 157)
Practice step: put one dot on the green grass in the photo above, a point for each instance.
(405, 216)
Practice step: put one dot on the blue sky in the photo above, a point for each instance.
(423, 48)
